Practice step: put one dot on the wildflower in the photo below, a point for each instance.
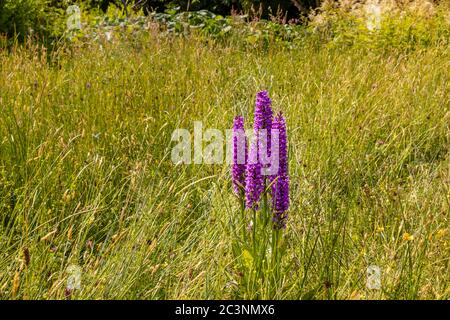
(263, 111)
(263, 124)
(279, 124)
(408, 237)
(239, 155)
(259, 150)
(254, 182)
(280, 200)
(280, 182)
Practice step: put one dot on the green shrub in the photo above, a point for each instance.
(402, 29)
(25, 17)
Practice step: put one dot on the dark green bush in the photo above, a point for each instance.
(262, 8)
(25, 17)
(46, 18)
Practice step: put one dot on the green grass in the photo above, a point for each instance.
(86, 177)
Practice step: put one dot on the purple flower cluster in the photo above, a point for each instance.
(254, 180)
(250, 175)
(239, 155)
(280, 182)
(259, 150)
(263, 124)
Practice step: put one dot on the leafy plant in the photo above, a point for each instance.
(26, 17)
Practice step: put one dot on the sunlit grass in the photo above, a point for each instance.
(86, 177)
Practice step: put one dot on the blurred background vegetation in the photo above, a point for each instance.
(23, 17)
(402, 23)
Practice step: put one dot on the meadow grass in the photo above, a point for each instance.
(86, 177)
